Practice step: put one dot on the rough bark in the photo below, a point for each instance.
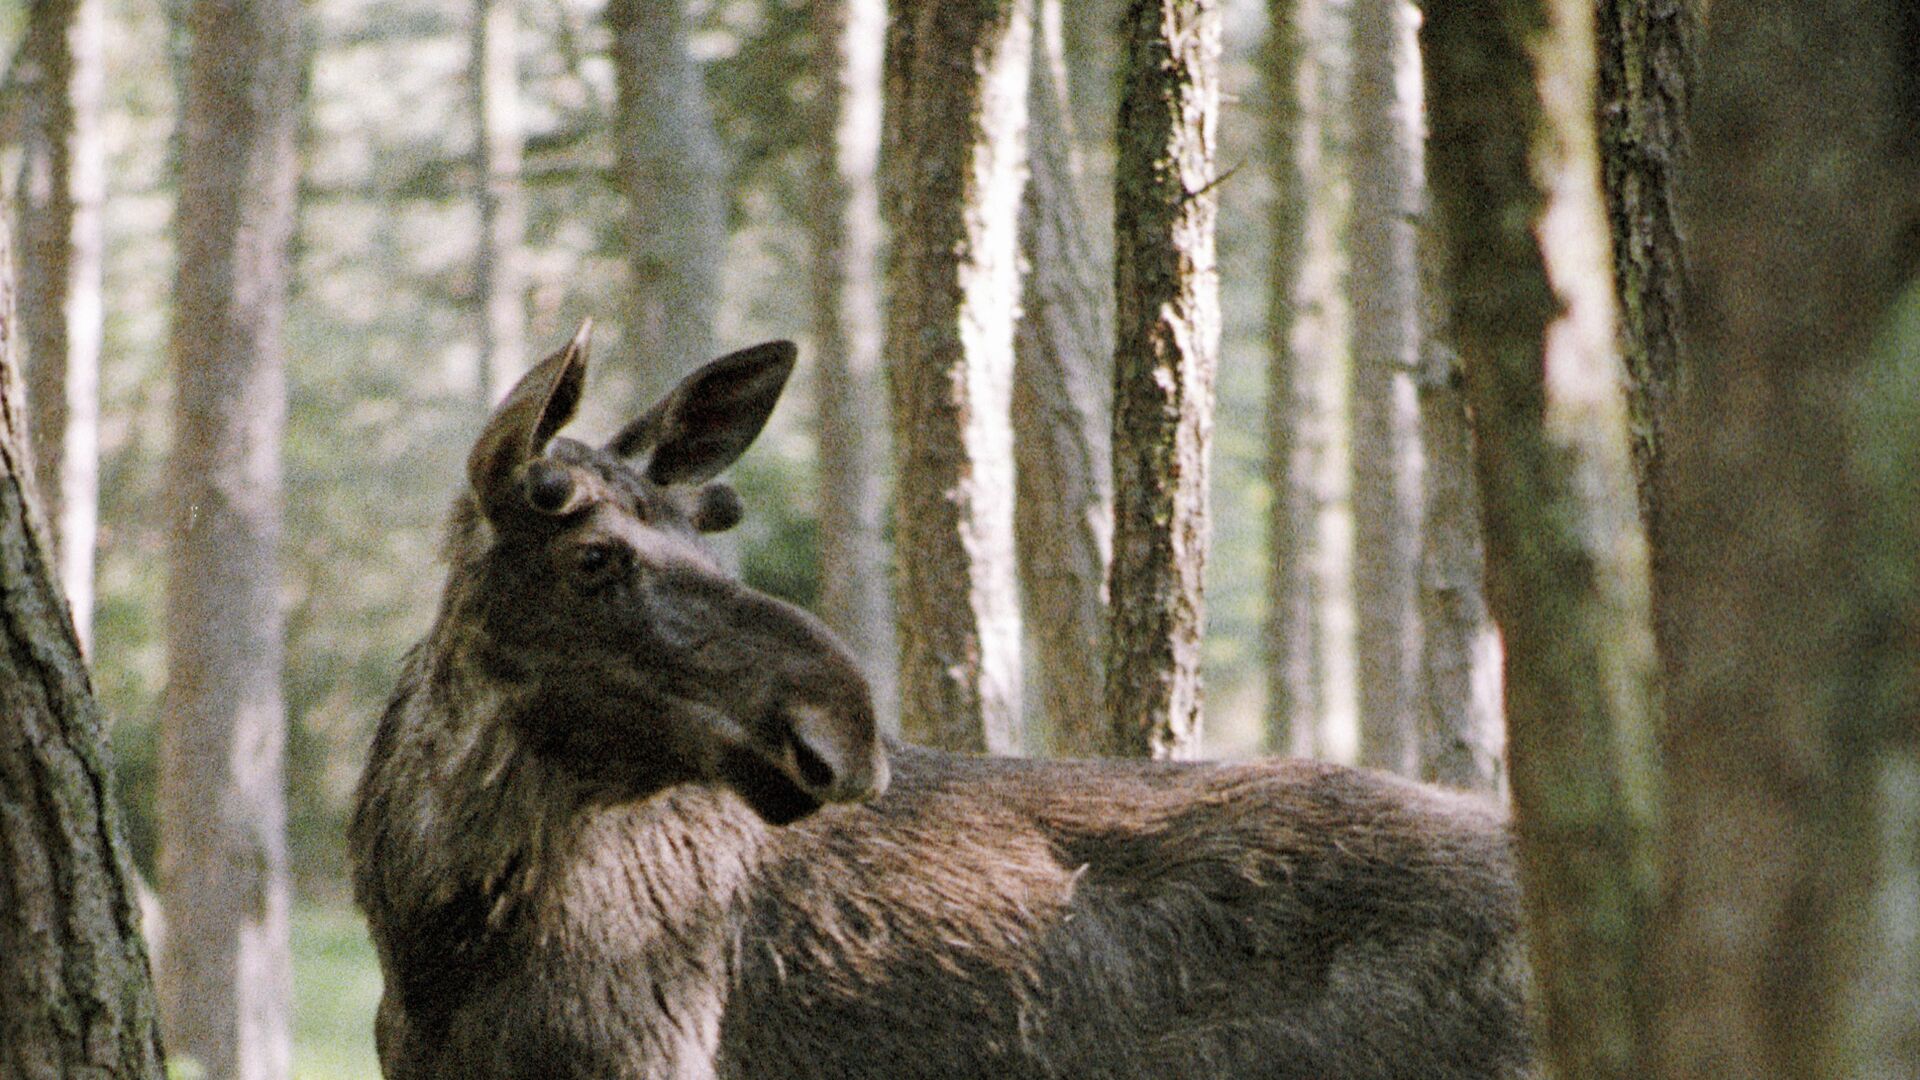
(1787, 944)
(1383, 416)
(1168, 330)
(1063, 508)
(60, 83)
(844, 221)
(73, 966)
(1512, 164)
(500, 281)
(1646, 73)
(670, 168)
(223, 873)
(955, 150)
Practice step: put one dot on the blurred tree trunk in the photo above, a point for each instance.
(1788, 944)
(73, 967)
(1291, 633)
(1063, 509)
(1462, 736)
(1168, 327)
(495, 84)
(1646, 72)
(844, 221)
(224, 974)
(1517, 190)
(61, 82)
(1383, 434)
(674, 178)
(957, 82)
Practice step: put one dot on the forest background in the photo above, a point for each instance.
(473, 181)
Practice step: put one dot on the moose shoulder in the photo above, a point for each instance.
(627, 817)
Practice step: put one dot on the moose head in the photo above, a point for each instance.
(627, 655)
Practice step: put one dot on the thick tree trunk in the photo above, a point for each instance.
(1646, 74)
(958, 76)
(1168, 329)
(1063, 509)
(223, 870)
(1787, 943)
(495, 84)
(844, 221)
(1517, 189)
(73, 967)
(1383, 434)
(674, 178)
(61, 83)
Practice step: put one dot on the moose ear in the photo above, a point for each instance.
(535, 410)
(711, 418)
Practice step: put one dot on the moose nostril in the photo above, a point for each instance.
(814, 771)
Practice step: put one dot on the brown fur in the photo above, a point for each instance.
(640, 825)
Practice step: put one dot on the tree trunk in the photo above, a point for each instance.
(495, 84)
(1291, 635)
(1646, 73)
(847, 316)
(958, 76)
(1383, 434)
(1462, 734)
(1517, 188)
(61, 78)
(1063, 509)
(1787, 944)
(223, 863)
(1168, 327)
(674, 178)
(73, 967)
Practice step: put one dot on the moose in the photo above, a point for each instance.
(626, 816)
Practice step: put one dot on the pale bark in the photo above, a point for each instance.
(957, 109)
(671, 171)
(1168, 337)
(225, 977)
(1063, 509)
(500, 280)
(1787, 944)
(73, 967)
(1513, 168)
(845, 228)
(60, 81)
(1383, 435)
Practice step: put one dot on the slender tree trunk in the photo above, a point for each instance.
(1383, 426)
(847, 318)
(955, 153)
(1787, 944)
(1168, 326)
(61, 81)
(1063, 513)
(223, 861)
(495, 84)
(73, 967)
(1646, 74)
(1517, 188)
(674, 178)
(1291, 633)
(1462, 734)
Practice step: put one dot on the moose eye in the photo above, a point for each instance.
(596, 565)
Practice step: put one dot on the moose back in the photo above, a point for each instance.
(628, 817)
